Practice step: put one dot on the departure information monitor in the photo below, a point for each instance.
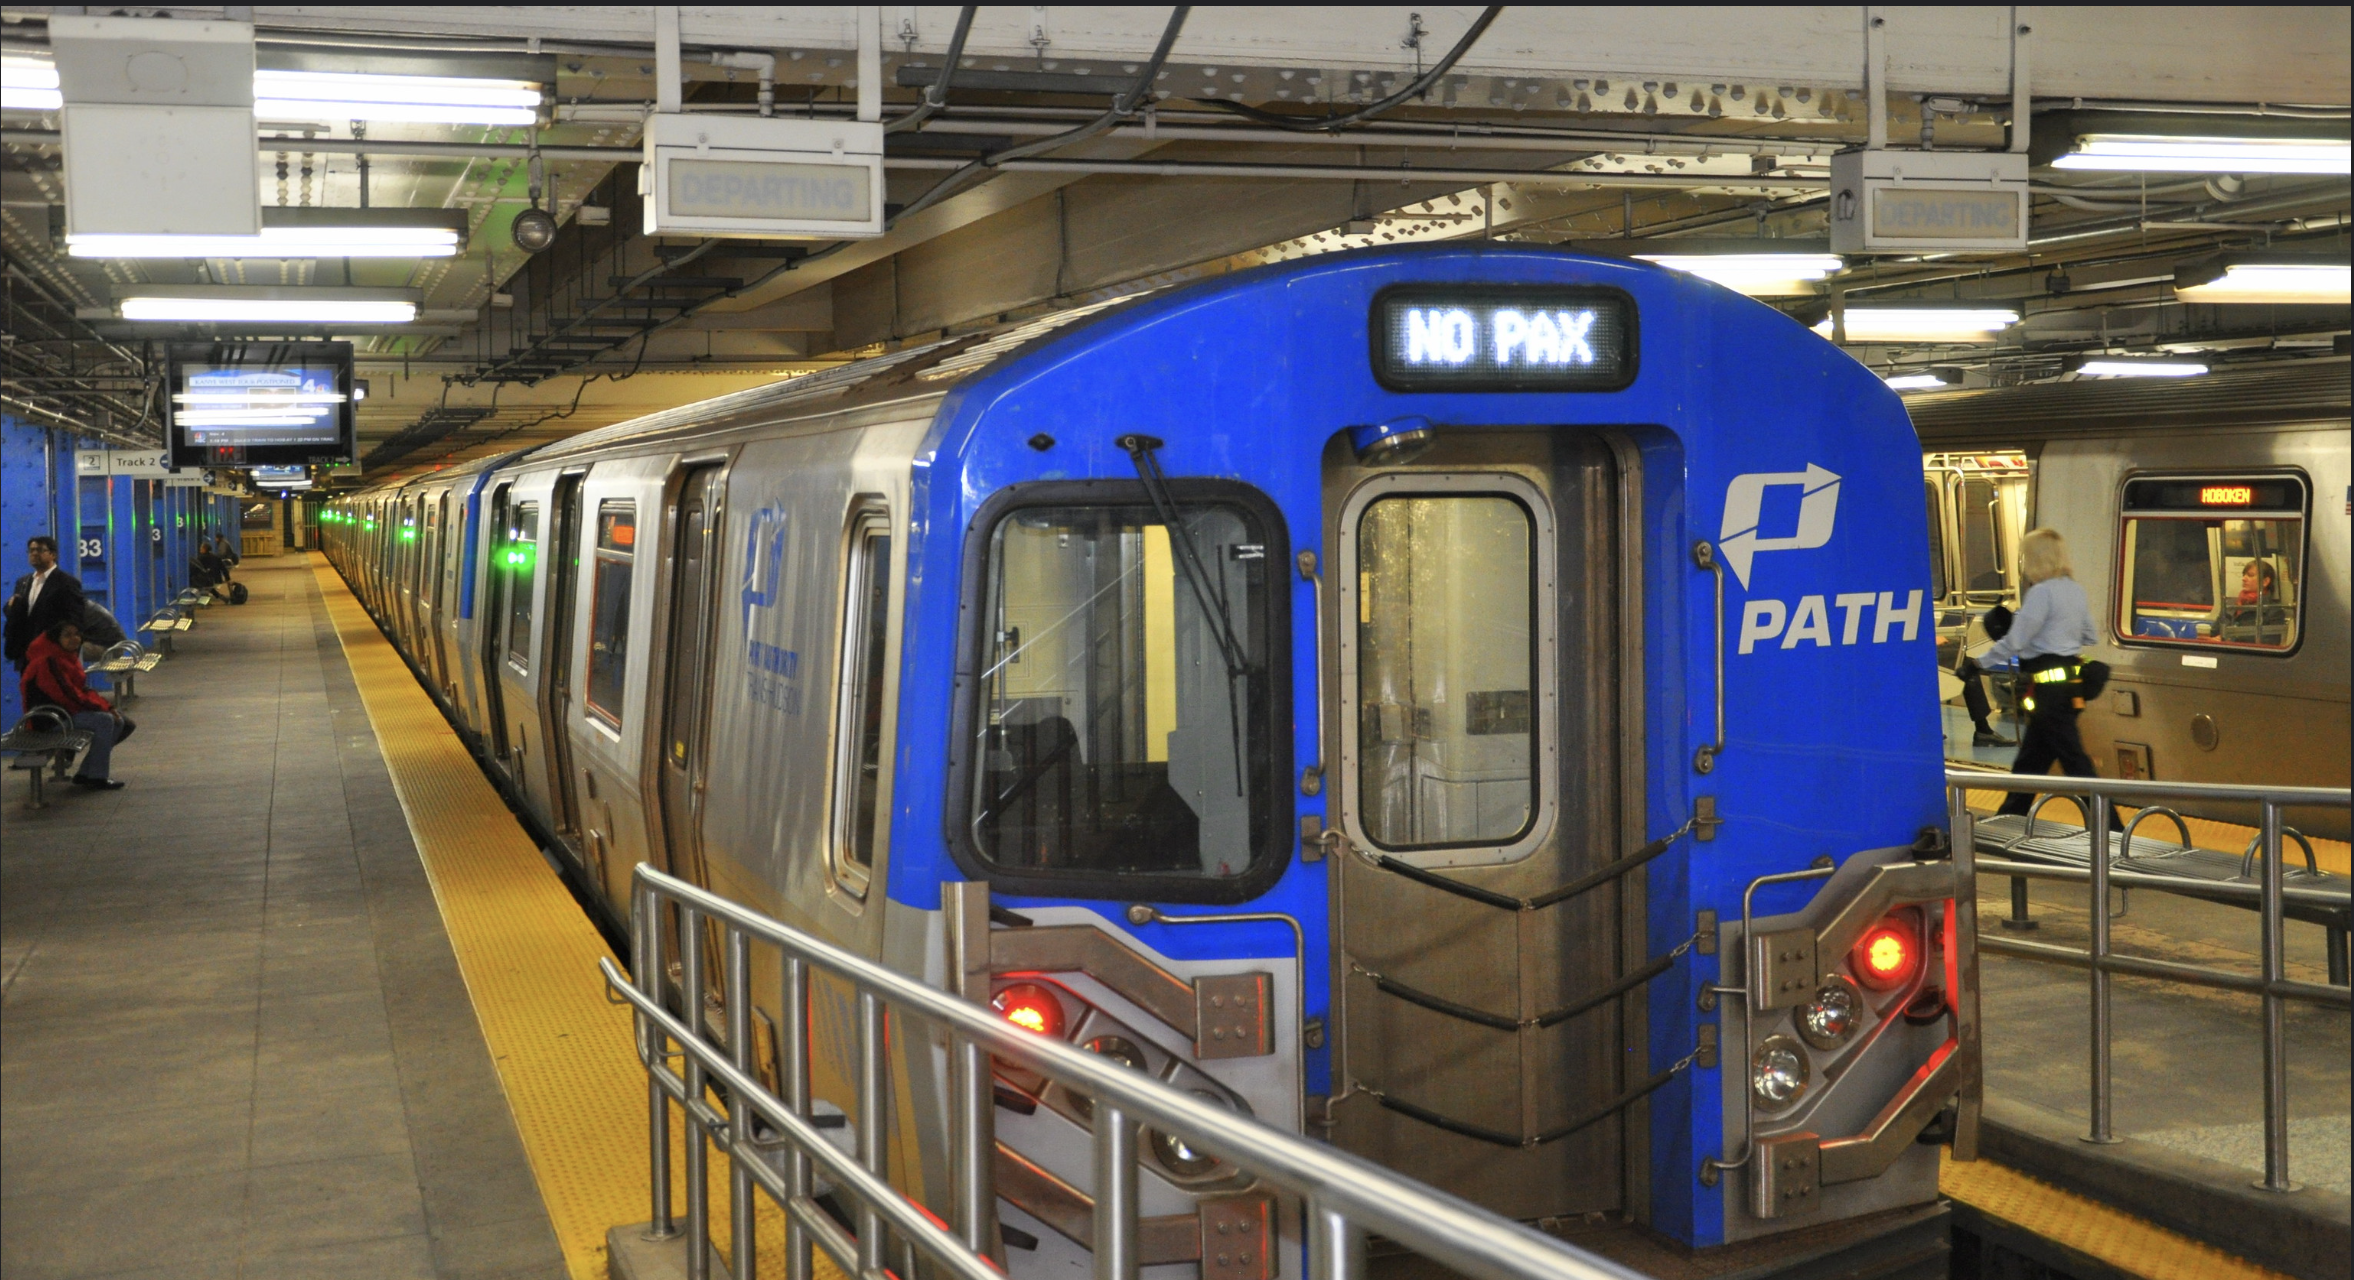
(261, 404)
(1503, 338)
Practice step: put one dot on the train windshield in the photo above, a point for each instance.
(1124, 724)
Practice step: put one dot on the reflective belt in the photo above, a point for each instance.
(2055, 675)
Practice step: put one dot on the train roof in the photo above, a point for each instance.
(2271, 395)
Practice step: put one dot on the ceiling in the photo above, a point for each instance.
(1608, 129)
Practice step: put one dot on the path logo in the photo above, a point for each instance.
(1818, 506)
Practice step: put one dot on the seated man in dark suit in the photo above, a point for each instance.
(42, 599)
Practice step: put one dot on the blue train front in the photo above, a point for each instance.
(1471, 704)
(1325, 592)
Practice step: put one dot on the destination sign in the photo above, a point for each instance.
(1510, 338)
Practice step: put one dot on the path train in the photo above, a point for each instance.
(2208, 519)
(1507, 673)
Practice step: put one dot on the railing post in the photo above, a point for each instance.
(2097, 834)
(1336, 1248)
(872, 1118)
(1963, 827)
(793, 1067)
(974, 1144)
(744, 1248)
(972, 1107)
(645, 933)
(2276, 1058)
(690, 999)
(1115, 1193)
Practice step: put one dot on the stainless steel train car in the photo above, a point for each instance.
(1386, 693)
(2208, 520)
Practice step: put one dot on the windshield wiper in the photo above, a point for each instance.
(1212, 603)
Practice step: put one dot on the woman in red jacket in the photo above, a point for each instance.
(54, 677)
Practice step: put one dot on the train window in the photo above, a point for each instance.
(1937, 583)
(608, 657)
(1982, 541)
(858, 733)
(520, 558)
(1125, 724)
(2212, 562)
(1446, 670)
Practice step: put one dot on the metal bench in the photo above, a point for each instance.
(44, 739)
(123, 662)
(164, 624)
(2058, 843)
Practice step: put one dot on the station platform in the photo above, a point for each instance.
(304, 999)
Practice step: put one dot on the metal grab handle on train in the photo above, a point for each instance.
(1505, 902)
(1704, 555)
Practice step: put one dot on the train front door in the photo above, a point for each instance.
(1477, 654)
(695, 520)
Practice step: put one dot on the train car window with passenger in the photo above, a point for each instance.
(520, 558)
(865, 662)
(1125, 724)
(608, 657)
(2212, 562)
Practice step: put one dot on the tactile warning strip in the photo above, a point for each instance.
(565, 1056)
(2128, 1243)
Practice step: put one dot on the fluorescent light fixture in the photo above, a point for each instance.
(1923, 324)
(2265, 280)
(1928, 380)
(28, 84)
(264, 304)
(2128, 367)
(296, 232)
(1756, 274)
(2153, 154)
(341, 95)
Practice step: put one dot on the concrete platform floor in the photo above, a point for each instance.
(233, 1039)
(2188, 1061)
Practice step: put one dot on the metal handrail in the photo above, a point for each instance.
(1344, 1196)
(2273, 986)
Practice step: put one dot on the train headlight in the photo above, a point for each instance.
(1179, 1158)
(1831, 1017)
(1888, 954)
(1778, 1073)
(1030, 1007)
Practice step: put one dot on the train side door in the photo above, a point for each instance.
(437, 550)
(556, 692)
(497, 573)
(1475, 640)
(695, 522)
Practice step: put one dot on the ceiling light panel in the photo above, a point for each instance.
(1917, 382)
(2097, 368)
(276, 242)
(339, 95)
(1922, 324)
(28, 84)
(2152, 154)
(1760, 275)
(2321, 283)
(268, 305)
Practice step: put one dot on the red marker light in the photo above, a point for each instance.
(1031, 1007)
(1887, 954)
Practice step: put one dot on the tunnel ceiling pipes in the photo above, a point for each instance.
(1088, 154)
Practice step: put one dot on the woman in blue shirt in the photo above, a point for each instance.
(2047, 638)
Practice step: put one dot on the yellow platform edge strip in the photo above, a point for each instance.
(2133, 1245)
(565, 1056)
